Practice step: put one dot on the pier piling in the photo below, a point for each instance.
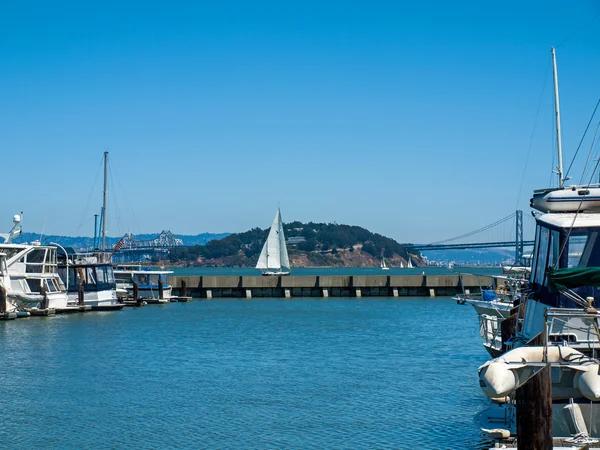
(183, 289)
(136, 295)
(44, 302)
(3, 306)
(80, 294)
(534, 409)
(161, 290)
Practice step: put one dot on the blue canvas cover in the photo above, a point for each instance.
(488, 296)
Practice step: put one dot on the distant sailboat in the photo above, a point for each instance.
(383, 265)
(409, 265)
(273, 259)
(401, 265)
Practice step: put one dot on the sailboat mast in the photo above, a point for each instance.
(559, 168)
(104, 202)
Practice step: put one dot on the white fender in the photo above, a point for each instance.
(501, 376)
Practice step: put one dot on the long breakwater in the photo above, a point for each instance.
(327, 286)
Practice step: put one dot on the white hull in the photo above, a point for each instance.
(569, 199)
(275, 273)
(99, 298)
(494, 308)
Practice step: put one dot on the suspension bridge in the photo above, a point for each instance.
(507, 232)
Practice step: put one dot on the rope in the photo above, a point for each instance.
(582, 138)
(535, 123)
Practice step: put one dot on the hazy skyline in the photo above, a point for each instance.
(411, 120)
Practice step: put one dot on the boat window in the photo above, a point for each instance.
(142, 279)
(544, 241)
(50, 285)
(90, 277)
(34, 284)
(576, 246)
(35, 261)
(534, 258)
(554, 248)
(587, 252)
(105, 277)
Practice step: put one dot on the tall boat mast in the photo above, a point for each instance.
(104, 202)
(559, 168)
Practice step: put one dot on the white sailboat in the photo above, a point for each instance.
(273, 259)
(409, 265)
(401, 265)
(383, 265)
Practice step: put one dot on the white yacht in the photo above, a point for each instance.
(273, 259)
(32, 269)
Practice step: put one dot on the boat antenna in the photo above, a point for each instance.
(104, 202)
(559, 167)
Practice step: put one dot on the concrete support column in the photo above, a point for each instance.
(325, 292)
(288, 293)
(395, 292)
(431, 292)
(209, 293)
(248, 293)
(358, 293)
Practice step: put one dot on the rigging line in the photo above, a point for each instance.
(128, 203)
(87, 203)
(562, 250)
(114, 198)
(582, 138)
(535, 123)
(578, 31)
(498, 222)
(590, 153)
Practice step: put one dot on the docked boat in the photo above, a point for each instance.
(89, 280)
(558, 310)
(149, 283)
(273, 259)
(33, 273)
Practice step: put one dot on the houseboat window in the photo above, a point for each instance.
(142, 279)
(542, 256)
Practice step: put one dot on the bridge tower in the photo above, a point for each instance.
(519, 237)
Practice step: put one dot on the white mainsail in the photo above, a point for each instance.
(274, 255)
(409, 265)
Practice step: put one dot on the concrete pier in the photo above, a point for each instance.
(327, 286)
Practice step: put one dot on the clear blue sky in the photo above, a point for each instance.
(412, 119)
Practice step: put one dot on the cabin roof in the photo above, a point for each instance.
(568, 220)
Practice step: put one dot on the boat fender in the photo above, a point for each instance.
(497, 433)
(588, 382)
(497, 379)
(575, 417)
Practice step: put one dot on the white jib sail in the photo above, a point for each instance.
(271, 254)
(284, 260)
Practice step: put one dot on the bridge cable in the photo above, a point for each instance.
(487, 227)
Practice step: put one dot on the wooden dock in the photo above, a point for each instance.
(327, 286)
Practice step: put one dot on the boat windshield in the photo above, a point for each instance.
(94, 278)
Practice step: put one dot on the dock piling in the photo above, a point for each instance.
(136, 296)
(80, 294)
(44, 302)
(3, 306)
(183, 289)
(161, 292)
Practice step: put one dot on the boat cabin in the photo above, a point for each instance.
(85, 268)
(564, 241)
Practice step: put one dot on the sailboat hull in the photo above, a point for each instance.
(275, 274)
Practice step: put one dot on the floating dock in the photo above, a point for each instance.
(327, 286)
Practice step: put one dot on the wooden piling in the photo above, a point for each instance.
(534, 409)
(508, 328)
(160, 290)
(183, 289)
(80, 294)
(44, 302)
(136, 296)
(3, 306)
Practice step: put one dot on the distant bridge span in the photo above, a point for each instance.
(424, 247)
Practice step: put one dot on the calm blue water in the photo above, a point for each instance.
(263, 374)
(312, 271)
